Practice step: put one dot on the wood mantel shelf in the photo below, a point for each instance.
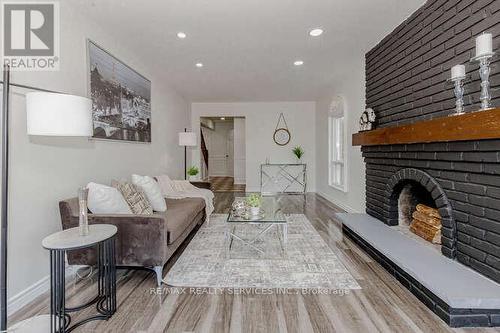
(480, 125)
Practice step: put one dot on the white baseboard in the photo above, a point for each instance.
(24, 297)
(347, 208)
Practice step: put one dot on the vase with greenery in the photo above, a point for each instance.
(192, 172)
(254, 201)
(298, 152)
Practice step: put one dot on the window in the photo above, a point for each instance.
(336, 144)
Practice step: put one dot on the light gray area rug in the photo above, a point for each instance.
(308, 263)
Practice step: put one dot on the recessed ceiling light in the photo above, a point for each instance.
(181, 35)
(222, 118)
(315, 32)
(199, 65)
(298, 63)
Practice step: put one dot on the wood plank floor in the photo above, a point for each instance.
(383, 305)
(225, 184)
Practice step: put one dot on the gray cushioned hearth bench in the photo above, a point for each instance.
(457, 294)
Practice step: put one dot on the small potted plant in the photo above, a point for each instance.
(298, 152)
(254, 201)
(192, 172)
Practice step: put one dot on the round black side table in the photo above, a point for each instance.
(103, 237)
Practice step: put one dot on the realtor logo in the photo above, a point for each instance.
(30, 34)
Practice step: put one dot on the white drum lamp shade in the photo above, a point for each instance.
(53, 114)
(187, 139)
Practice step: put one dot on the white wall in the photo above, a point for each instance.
(239, 151)
(260, 122)
(352, 89)
(45, 170)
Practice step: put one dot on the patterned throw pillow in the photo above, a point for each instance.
(134, 197)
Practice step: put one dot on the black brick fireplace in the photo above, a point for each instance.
(406, 83)
(464, 180)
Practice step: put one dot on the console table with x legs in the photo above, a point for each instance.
(283, 178)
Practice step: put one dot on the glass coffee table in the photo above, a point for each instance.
(270, 217)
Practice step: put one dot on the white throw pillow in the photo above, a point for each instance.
(104, 199)
(166, 185)
(152, 190)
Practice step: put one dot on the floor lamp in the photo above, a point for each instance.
(49, 113)
(187, 139)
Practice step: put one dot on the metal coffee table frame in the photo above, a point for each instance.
(230, 235)
(274, 218)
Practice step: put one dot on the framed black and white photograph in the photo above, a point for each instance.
(121, 98)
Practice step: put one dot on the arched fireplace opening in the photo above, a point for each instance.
(419, 207)
(413, 223)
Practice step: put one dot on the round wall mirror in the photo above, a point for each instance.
(282, 136)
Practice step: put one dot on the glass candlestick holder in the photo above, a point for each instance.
(484, 73)
(459, 95)
(83, 222)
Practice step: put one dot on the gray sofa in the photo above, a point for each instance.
(142, 240)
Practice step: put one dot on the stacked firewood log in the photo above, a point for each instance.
(426, 223)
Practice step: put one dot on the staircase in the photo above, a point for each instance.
(204, 152)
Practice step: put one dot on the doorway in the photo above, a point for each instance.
(223, 153)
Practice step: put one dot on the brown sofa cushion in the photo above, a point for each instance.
(180, 213)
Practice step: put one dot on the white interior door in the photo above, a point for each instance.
(220, 150)
(230, 153)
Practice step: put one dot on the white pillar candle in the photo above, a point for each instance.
(484, 44)
(457, 71)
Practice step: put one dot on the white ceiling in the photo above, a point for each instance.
(248, 46)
